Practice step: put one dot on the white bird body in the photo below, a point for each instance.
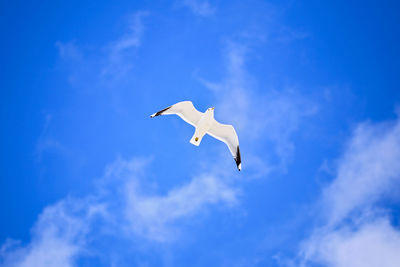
(202, 127)
(205, 123)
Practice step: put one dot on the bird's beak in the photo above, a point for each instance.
(212, 108)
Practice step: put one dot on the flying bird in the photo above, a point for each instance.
(205, 124)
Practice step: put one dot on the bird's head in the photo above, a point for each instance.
(210, 112)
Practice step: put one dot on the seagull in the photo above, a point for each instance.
(205, 124)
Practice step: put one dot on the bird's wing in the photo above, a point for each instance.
(185, 110)
(227, 134)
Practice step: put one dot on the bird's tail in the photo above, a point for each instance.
(196, 139)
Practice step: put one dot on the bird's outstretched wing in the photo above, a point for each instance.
(227, 134)
(184, 109)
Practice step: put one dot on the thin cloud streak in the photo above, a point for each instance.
(200, 7)
(119, 50)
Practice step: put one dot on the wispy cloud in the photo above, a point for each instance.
(57, 237)
(67, 230)
(69, 51)
(367, 170)
(118, 50)
(108, 63)
(46, 142)
(133, 37)
(375, 243)
(200, 7)
(261, 115)
(154, 216)
(356, 228)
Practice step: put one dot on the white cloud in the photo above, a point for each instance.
(152, 216)
(155, 216)
(375, 243)
(368, 170)
(121, 205)
(354, 232)
(57, 237)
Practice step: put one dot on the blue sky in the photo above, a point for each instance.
(88, 179)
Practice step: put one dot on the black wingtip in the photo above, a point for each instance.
(160, 112)
(238, 159)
